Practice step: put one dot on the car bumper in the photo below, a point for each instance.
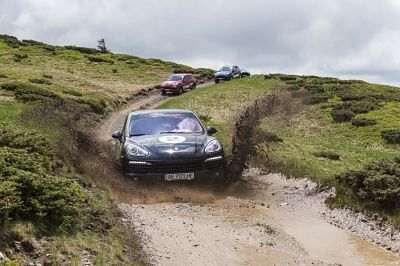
(170, 89)
(223, 77)
(212, 167)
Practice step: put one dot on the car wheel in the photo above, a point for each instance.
(163, 93)
(194, 86)
(180, 91)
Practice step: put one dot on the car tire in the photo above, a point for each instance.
(216, 81)
(193, 86)
(163, 93)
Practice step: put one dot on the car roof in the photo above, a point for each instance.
(165, 111)
(182, 74)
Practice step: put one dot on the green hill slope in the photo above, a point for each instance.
(322, 128)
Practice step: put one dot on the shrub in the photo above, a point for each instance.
(27, 92)
(360, 107)
(28, 189)
(3, 76)
(20, 57)
(83, 50)
(342, 115)
(363, 122)
(352, 97)
(13, 137)
(328, 155)
(96, 59)
(315, 99)
(10, 40)
(72, 92)
(287, 77)
(391, 136)
(46, 76)
(378, 183)
(97, 105)
(40, 81)
(315, 89)
(33, 42)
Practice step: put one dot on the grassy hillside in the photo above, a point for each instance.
(324, 130)
(49, 95)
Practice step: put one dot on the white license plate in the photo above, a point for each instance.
(180, 176)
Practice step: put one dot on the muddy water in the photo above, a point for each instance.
(200, 223)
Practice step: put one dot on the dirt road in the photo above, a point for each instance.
(259, 220)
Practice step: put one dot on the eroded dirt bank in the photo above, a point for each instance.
(258, 220)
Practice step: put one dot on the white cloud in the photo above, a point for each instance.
(355, 38)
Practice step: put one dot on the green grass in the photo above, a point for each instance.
(219, 105)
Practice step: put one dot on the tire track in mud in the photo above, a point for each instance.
(255, 220)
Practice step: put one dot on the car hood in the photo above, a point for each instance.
(170, 83)
(222, 73)
(180, 146)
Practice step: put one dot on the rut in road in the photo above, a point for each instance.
(257, 220)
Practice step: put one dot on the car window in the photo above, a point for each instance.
(175, 78)
(225, 68)
(164, 123)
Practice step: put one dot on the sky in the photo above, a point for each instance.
(343, 38)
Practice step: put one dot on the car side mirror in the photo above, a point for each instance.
(211, 130)
(117, 135)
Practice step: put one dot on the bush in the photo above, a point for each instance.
(3, 76)
(363, 122)
(20, 57)
(328, 155)
(378, 183)
(10, 40)
(315, 89)
(391, 136)
(342, 115)
(97, 105)
(40, 81)
(28, 92)
(47, 76)
(95, 59)
(83, 50)
(352, 97)
(72, 92)
(28, 189)
(360, 107)
(287, 77)
(315, 99)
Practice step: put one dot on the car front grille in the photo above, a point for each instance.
(174, 167)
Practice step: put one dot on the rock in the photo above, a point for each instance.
(2, 257)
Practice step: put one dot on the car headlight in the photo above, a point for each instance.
(136, 150)
(213, 146)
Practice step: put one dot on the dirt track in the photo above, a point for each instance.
(259, 220)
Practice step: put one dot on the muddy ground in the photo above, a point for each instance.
(258, 220)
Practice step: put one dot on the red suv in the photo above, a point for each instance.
(178, 84)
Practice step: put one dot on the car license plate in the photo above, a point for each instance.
(180, 176)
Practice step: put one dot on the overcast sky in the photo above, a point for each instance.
(345, 38)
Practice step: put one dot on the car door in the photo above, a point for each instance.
(186, 82)
(119, 144)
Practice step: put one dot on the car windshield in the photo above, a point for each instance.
(164, 123)
(225, 68)
(175, 78)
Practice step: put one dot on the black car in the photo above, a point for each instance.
(169, 144)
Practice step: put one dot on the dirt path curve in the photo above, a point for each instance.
(260, 220)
